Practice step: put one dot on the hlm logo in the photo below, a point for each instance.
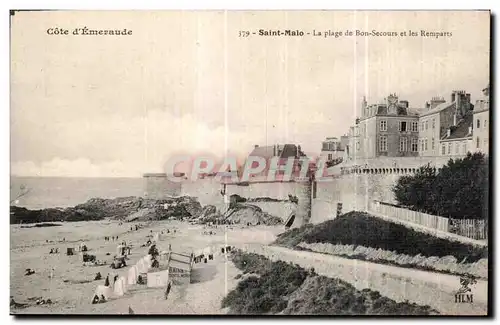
(462, 296)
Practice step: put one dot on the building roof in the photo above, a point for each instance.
(267, 152)
(461, 130)
(438, 108)
(290, 150)
(154, 175)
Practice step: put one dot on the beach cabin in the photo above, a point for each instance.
(158, 279)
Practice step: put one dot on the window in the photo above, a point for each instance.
(403, 144)
(477, 140)
(443, 150)
(485, 123)
(422, 145)
(433, 123)
(382, 145)
(457, 148)
(414, 145)
(478, 124)
(422, 126)
(383, 125)
(432, 144)
(449, 148)
(357, 131)
(414, 126)
(426, 125)
(325, 146)
(402, 126)
(485, 143)
(426, 144)
(464, 147)
(330, 156)
(357, 145)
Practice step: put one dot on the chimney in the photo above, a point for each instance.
(448, 132)
(470, 130)
(256, 146)
(454, 119)
(453, 95)
(274, 150)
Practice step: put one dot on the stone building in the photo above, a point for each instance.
(447, 122)
(481, 123)
(282, 152)
(388, 129)
(353, 145)
(332, 148)
(458, 139)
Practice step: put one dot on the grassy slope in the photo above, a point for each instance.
(278, 287)
(359, 228)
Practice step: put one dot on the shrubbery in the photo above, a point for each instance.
(359, 228)
(459, 190)
(266, 293)
(280, 287)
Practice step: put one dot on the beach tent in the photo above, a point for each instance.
(102, 291)
(118, 288)
(148, 259)
(143, 265)
(119, 250)
(158, 279)
(132, 275)
(124, 283)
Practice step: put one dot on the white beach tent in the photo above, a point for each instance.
(102, 290)
(124, 283)
(132, 275)
(141, 266)
(118, 289)
(149, 261)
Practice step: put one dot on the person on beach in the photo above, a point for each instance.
(168, 290)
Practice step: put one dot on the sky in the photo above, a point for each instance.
(186, 83)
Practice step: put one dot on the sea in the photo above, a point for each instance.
(52, 192)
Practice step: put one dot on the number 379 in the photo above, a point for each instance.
(244, 33)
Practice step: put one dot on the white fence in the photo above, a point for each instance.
(476, 229)
(420, 218)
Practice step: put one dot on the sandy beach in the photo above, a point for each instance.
(69, 295)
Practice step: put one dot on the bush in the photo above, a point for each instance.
(459, 190)
(267, 292)
(289, 289)
(360, 228)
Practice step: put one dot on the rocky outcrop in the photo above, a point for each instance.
(119, 208)
(251, 214)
